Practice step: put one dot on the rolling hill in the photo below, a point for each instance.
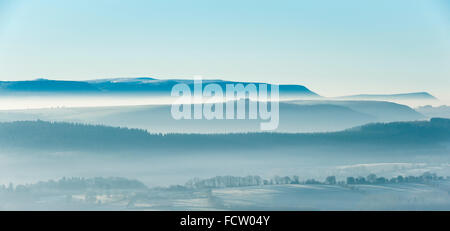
(295, 116)
(40, 135)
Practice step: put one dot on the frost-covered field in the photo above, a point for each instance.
(334, 197)
(132, 195)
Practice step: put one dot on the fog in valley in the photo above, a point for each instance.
(135, 139)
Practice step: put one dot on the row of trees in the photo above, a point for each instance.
(119, 184)
(78, 184)
(373, 179)
(233, 181)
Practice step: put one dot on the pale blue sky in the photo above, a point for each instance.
(333, 47)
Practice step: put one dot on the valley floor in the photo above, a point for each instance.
(400, 196)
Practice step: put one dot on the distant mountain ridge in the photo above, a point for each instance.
(148, 85)
(403, 96)
(124, 85)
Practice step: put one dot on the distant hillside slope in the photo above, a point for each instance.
(429, 111)
(382, 111)
(295, 116)
(40, 135)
